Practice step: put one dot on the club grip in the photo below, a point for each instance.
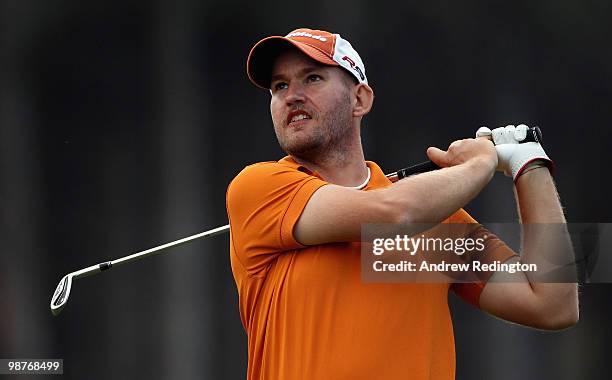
(533, 135)
(423, 167)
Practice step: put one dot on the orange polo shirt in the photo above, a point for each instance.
(306, 312)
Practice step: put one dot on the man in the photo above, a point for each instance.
(296, 225)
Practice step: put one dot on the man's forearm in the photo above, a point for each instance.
(546, 241)
(434, 196)
(537, 197)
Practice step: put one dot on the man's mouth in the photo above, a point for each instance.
(299, 115)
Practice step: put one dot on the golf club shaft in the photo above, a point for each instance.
(393, 177)
(142, 254)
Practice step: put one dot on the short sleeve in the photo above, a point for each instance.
(495, 250)
(264, 202)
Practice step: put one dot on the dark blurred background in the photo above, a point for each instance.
(121, 124)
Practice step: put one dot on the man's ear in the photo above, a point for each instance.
(364, 98)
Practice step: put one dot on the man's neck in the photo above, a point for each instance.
(346, 168)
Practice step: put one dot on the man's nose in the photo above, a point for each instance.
(295, 93)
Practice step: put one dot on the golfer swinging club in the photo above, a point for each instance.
(296, 225)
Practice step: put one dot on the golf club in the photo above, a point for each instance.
(62, 292)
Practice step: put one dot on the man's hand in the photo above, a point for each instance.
(479, 150)
(514, 156)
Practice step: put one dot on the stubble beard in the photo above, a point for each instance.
(327, 139)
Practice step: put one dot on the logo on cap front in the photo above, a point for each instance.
(306, 34)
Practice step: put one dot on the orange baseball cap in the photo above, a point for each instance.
(324, 47)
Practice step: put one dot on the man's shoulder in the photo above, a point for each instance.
(257, 169)
(264, 174)
(263, 165)
(283, 163)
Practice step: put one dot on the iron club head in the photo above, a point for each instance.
(60, 296)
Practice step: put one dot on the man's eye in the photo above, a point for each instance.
(314, 78)
(280, 86)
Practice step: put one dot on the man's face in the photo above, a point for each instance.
(310, 106)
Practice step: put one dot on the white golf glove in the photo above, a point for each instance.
(513, 155)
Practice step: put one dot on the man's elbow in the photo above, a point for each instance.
(562, 322)
(564, 315)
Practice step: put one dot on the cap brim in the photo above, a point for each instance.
(264, 53)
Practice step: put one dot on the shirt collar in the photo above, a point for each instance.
(377, 180)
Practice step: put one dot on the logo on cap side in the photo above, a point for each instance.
(354, 66)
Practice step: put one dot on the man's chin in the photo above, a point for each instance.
(302, 150)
